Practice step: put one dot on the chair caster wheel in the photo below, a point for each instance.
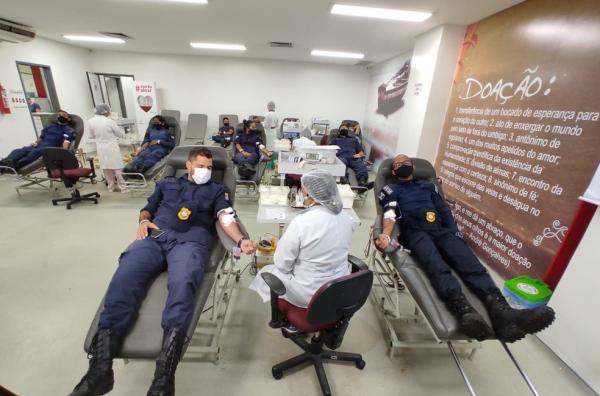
(95, 202)
(54, 203)
(237, 278)
(68, 207)
(277, 374)
(360, 364)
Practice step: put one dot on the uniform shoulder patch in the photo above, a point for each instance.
(387, 189)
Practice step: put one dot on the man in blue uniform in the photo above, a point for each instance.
(158, 142)
(175, 234)
(351, 153)
(429, 231)
(59, 134)
(225, 135)
(248, 147)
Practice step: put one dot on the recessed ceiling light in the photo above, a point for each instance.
(189, 1)
(381, 13)
(95, 39)
(337, 54)
(229, 47)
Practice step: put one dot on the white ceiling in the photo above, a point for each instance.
(164, 27)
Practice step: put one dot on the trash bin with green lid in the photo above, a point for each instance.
(526, 292)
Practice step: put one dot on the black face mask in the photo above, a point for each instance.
(254, 130)
(404, 171)
(62, 120)
(225, 124)
(343, 132)
(156, 124)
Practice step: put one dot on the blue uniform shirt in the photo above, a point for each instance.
(349, 145)
(250, 142)
(414, 201)
(161, 134)
(187, 209)
(54, 135)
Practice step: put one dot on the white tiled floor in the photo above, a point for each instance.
(55, 265)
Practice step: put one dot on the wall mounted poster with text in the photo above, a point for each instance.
(521, 138)
(146, 106)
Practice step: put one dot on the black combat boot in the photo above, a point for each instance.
(163, 383)
(99, 378)
(471, 323)
(529, 321)
(504, 318)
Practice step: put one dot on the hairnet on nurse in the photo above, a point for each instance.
(102, 108)
(321, 186)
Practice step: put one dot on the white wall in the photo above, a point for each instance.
(212, 85)
(443, 54)
(574, 335)
(68, 65)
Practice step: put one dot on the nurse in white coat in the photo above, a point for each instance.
(271, 123)
(105, 132)
(314, 248)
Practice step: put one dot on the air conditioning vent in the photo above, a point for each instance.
(117, 35)
(14, 32)
(281, 44)
(363, 63)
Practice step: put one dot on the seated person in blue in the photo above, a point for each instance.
(351, 154)
(225, 134)
(59, 134)
(428, 229)
(158, 142)
(248, 147)
(175, 234)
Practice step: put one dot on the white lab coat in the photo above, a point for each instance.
(312, 251)
(105, 133)
(270, 124)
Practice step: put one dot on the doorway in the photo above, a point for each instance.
(40, 91)
(114, 90)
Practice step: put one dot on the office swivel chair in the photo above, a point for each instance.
(328, 314)
(62, 164)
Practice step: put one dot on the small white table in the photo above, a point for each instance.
(282, 215)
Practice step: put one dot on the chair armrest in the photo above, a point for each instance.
(377, 226)
(274, 283)
(357, 264)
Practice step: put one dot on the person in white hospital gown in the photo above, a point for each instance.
(271, 123)
(314, 248)
(105, 132)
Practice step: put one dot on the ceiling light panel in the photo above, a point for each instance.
(337, 54)
(380, 13)
(95, 39)
(216, 46)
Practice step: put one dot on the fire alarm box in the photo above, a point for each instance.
(4, 107)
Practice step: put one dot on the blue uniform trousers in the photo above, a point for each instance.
(143, 261)
(251, 161)
(358, 166)
(26, 155)
(437, 251)
(146, 160)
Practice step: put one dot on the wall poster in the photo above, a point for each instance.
(521, 138)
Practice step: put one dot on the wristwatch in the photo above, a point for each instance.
(239, 243)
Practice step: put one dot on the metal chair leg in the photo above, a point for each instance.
(460, 368)
(525, 377)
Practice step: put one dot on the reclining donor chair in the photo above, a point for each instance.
(399, 275)
(31, 174)
(251, 185)
(140, 181)
(145, 339)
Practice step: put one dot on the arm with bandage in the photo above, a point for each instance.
(391, 212)
(226, 216)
